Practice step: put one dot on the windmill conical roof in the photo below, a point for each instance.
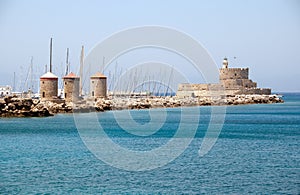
(71, 75)
(48, 75)
(98, 75)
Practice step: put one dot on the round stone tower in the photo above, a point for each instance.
(48, 86)
(71, 87)
(225, 63)
(98, 85)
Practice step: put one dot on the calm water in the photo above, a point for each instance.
(257, 152)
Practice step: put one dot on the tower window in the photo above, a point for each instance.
(65, 83)
(93, 94)
(43, 94)
(65, 95)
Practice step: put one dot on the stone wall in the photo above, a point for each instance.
(231, 87)
(200, 90)
(234, 73)
(192, 87)
(260, 91)
(238, 83)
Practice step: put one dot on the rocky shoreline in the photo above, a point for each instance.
(27, 107)
(22, 107)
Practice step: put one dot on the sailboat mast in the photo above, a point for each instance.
(81, 70)
(103, 63)
(67, 62)
(169, 81)
(14, 86)
(51, 55)
(31, 74)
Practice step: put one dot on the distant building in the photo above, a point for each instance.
(48, 86)
(5, 90)
(232, 81)
(98, 85)
(71, 87)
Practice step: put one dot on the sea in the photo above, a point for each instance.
(256, 151)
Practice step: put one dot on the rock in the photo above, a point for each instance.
(7, 99)
(11, 106)
(35, 101)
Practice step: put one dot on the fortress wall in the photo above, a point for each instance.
(212, 92)
(232, 83)
(249, 83)
(249, 91)
(259, 91)
(192, 87)
(238, 83)
(232, 92)
(200, 90)
(199, 87)
(215, 87)
(234, 73)
(184, 94)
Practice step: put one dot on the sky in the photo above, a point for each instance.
(261, 35)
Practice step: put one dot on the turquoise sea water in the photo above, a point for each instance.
(257, 152)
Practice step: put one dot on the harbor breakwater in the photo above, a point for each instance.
(22, 107)
(27, 107)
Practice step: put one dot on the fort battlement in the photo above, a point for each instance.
(234, 69)
(234, 73)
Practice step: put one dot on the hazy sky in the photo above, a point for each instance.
(263, 35)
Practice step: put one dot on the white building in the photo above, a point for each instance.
(5, 90)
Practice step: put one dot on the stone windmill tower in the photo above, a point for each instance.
(98, 85)
(71, 87)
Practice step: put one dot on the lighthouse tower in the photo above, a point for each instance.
(225, 63)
